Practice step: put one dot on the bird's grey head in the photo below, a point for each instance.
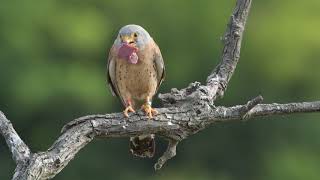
(134, 35)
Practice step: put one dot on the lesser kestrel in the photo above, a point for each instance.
(135, 72)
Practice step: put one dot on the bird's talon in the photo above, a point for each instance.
(155, 112)
(128, 109)
(125, 114)
(150, 112)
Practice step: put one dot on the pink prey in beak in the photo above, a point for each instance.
(128, 52)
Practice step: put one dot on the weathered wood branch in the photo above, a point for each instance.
(172, 123)
(185, 112)
(218, 80)
(20, 151)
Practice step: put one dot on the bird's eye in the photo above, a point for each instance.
(135, 34)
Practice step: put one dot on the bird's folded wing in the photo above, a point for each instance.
(111, 73)
(159, 65)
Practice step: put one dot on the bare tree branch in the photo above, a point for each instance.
(220, 77)
(173, 123)
(20, 151)
(218, 80)
(281, 109)
(186, 112)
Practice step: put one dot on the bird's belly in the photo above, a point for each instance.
(136, 81)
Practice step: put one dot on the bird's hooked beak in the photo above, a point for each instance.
(128, 43)
(128, 39)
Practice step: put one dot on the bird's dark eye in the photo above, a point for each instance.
(135, 35)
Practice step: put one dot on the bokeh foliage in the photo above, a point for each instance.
(53, 66)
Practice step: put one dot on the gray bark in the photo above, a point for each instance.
(185, 112)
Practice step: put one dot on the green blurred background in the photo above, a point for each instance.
(53, 66)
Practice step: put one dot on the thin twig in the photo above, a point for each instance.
(168, 154)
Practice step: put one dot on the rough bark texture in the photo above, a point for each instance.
(185, 112)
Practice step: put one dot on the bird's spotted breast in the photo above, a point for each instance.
(137, 81)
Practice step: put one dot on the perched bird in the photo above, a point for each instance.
(135, 72)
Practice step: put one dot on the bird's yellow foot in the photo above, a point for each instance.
(150, 112)
(128, 109)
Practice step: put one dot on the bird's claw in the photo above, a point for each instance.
(150, 112)
(128, 109)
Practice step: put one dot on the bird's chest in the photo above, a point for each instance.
(136, 80)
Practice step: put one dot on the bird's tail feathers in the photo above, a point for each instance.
(143, 146)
